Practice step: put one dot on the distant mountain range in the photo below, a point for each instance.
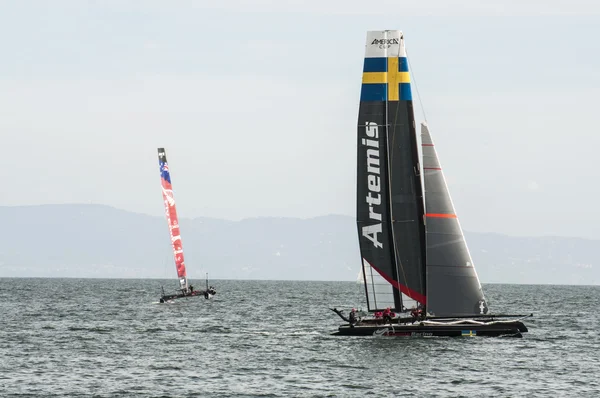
(104, 242)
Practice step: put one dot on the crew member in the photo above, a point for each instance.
(353, 319)
(387, 315)
(414, 313)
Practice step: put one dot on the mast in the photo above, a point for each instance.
(172, 220)
(405, 182)
(389, 192)
(453, 286)
(397, 295)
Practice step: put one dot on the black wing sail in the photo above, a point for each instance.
(452, 281)
(389, 193)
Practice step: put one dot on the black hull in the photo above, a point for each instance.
(196, 293)
(504, 329)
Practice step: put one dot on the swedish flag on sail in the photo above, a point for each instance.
(470, 333)
(385, 71)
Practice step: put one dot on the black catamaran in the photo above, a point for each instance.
(414, 255)
(185, 289)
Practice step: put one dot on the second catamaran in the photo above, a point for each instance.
(185, 289)
(414, 255)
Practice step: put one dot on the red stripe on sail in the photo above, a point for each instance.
(404, 289)
(440, 215)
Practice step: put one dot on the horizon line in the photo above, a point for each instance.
(270, 280)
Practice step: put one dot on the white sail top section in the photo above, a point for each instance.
(385, 43)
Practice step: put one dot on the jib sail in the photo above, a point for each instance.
(389, 192)
(171, 213)
(452, 283)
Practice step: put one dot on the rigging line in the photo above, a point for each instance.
(165, 265)
(414, 78)
(373, 286)
(410, 68)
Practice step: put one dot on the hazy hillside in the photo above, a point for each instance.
(100, 241)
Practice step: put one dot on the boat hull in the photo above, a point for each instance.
(196, 293)
(504, 329)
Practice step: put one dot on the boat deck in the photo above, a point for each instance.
(489, 325)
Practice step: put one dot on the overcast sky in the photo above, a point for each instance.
(257, 105)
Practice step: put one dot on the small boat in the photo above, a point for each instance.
(185, 290)
(417, 271)
(207, 293)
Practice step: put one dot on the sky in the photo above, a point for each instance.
(256, 104)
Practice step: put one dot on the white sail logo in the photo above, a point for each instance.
(384, 43)
(373, 197)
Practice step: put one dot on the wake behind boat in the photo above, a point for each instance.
(417, 271)
(185, 289)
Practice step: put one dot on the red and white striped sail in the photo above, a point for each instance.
(171, 213)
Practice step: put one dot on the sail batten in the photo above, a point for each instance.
(172, 219)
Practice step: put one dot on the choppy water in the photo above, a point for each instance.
(107, 338)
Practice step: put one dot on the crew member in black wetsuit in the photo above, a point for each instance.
(352, 318)
(191, 289)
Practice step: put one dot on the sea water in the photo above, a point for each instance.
(110, 338)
